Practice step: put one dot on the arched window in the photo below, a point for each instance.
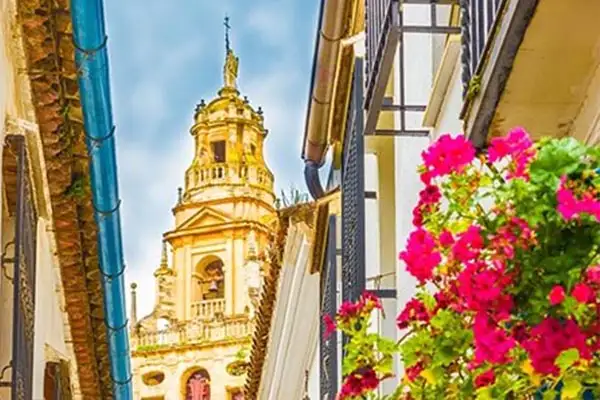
(237, 394)
(198, 386)
(209, 279)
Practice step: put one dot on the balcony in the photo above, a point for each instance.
(194, 332)
(207, 309)
(530, 63)
(198, 177)
(389, 25)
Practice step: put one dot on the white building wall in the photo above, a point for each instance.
(50, 325)
(448, 118)
(418, 77)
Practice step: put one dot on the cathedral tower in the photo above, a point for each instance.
(188, 347)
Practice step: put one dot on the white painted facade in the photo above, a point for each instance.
(52, 332)
(291, 367)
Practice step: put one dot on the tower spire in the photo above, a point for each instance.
(133, 313)
(227, 28)
(230, 69)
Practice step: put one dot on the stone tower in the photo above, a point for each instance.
(189, 346)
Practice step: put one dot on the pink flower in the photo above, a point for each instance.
(414, 310)
(369, 302)
(519, 147)
(446, 239)
(430, 195)
(550, 338)
(358, 383)
(329, 325)
(492, 344)
(448, 154)
(515, 234)
(348, 310)
(420, 255)
(414, 371)
(556, 295)
(428, 203)
(485, 379)
(482, 289)
(583, 293)
(571, 207)
(593, 274)
(468, 245)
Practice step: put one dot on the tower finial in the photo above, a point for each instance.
(227, 28)
(230, 69)
(133, 316)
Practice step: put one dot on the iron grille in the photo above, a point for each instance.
(329, 343)
(23, 277)
(385, 28)
(353, 195)
(478, 19)
(381, 37)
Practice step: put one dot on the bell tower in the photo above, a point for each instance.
(207, 293)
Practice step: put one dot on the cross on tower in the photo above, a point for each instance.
(227, 29)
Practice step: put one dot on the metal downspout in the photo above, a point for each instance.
(91, 56)
(329, 34)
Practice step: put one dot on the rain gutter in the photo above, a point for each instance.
(89, 35)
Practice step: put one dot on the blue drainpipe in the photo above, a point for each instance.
(89, 37)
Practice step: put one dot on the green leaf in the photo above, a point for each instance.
(566, 359)
(484, 394)
(555, 159)
(549, 395)
(571, 388)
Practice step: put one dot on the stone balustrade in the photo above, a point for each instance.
(228, 173)
(193, 332)
(208, 308)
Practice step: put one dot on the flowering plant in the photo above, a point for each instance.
(506, 251)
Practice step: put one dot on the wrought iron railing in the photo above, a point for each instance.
(478, 21)
(353, 195)
(23, 271)
(194, 332)
(208, 308)
(381, 36)
(328, 343)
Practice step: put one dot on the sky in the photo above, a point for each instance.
(168, 55)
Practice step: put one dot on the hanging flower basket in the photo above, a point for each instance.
(506, 252)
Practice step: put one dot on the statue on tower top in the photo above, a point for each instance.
(230, 70)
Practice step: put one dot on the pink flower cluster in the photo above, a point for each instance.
(469, 245)
(414, 311)
(571, 207)
(421, 255)
(518, 146)
(516, 234)
(361, 308)
(428, 202)
(448, 154)
(481, 287)
(358, 383)
(492, 343)
(551, 337)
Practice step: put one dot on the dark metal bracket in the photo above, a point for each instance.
(4, 383)
(4, 260)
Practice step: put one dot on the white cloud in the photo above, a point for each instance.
(271, 24)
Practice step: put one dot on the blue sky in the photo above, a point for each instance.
(165, 57)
